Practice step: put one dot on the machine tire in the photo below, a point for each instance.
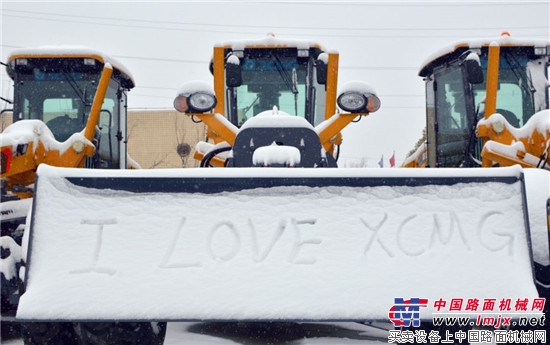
(122, 333)
(49, 333)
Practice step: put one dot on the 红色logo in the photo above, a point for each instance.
(405, 313)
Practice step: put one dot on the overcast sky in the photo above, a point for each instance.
(383, 43)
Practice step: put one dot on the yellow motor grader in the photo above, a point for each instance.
(487, 106)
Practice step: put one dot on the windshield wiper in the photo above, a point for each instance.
(75, 87)
(288, 81)
(291, 82)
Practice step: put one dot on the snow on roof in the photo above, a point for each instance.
(479, 43)
(270, 41)
(70, 52)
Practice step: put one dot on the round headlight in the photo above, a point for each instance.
(352, 101)
(195, 97)
(198, 102)
(201, 102)
(358, 97)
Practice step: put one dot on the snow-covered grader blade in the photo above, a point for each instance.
(273, 244)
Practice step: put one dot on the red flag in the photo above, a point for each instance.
(392, 160)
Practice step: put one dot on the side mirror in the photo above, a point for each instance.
(322, 68)
(472, 68)
(233, 77)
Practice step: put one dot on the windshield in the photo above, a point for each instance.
(522, 91)
(520, 94)
(451, 117)
(274, 79)
(62, 99)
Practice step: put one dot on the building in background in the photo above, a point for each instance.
(157, 139)
(161, 139)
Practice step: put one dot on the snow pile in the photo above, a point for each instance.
(294, 252)
(205, 148)
(36, 131)
(276, 154)
(539, 122)
(8, 264)
(14, 209)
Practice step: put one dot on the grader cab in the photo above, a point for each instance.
(486, 104)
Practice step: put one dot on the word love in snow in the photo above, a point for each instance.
(302, 241)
